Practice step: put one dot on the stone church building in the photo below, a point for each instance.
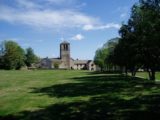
(66, 62)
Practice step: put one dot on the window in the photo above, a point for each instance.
(66, 47)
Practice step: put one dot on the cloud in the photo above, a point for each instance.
(46, 18)
(27, 4)
(88, 27)
(39, 16)
(101, 27)
(78, 37)
(43, 3)
(123, 11)
(123, 15)
(61, 1)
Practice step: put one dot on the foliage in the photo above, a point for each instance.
(102, 54)
(56, 65)
(100, 57)
(145, 21)
(125, 53)
(139, 43)
(30, 57)
(1, 55)
(12, 56)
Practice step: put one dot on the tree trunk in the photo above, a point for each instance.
(152, 74)
(133, 73)
(126, 72)
(101, 69)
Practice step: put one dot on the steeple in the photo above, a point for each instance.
(65, 53)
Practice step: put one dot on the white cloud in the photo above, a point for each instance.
(123, 11)
(101, 27)
(43, 3)
(27, 4)
(88, 27)
(123, 15)
(46, 18)
(60, 1)
(78, 37)
(40, 17)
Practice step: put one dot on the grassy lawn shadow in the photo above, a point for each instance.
(112, 97)
(97, 85)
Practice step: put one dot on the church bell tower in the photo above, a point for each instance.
(65, 54)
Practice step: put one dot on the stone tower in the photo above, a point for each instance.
(65, 54)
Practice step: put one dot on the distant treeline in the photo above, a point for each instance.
(139, 42)
(13, 56)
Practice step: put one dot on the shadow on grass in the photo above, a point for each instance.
(97, 85)
(112, 97)
(106, 72)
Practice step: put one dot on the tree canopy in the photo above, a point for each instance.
(30, 57)
(102, 54)
(139, 45)
(13, 56)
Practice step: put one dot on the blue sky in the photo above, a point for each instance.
(44, 24)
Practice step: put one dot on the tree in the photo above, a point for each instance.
(102, 54)
(110, 45)
(1, 55)
(100, 58)
(125, 53)
(30, 57)
(13, 55)
(146, 21)
(139, 43)
(56, 65)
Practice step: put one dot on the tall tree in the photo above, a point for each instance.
(102, 54)
(100, 58)
(14, 55)
(146, 21)
(30, 57)
(1, 55)
(140, 39)
(125, 53)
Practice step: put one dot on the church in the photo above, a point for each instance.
(66, 62)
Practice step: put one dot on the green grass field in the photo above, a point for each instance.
(145, 75)
(76, 95)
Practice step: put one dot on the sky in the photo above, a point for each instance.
(44, 24)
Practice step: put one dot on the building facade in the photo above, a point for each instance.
(66, 62)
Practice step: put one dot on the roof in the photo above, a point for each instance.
(80, 61)
(55, 59)
(51, 59)
(90, 61)
(72, 59)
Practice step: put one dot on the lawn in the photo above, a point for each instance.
(76, 95)
(145, 75)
